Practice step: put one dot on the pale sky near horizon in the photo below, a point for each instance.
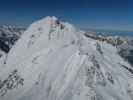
(99, 14)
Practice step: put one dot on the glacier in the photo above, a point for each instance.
(53, 60)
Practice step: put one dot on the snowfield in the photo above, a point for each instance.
(53, 60)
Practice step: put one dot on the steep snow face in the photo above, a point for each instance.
(55, 61)
(46, 33)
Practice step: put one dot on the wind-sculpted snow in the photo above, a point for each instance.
(55, 61)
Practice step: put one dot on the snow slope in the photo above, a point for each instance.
(54, 61)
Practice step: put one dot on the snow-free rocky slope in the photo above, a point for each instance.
(55, 61)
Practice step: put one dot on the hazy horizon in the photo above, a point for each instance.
(95, 14)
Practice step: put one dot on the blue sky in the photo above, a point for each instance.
(99, 14)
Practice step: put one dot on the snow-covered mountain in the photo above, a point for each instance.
(53, 60)
(8, 36)
(126, 49)
(124, 44)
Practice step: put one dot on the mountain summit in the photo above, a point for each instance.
(53, 60)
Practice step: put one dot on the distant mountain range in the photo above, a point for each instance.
(112, 32)
(8, 36)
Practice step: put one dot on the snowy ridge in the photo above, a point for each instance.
(54, 61)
